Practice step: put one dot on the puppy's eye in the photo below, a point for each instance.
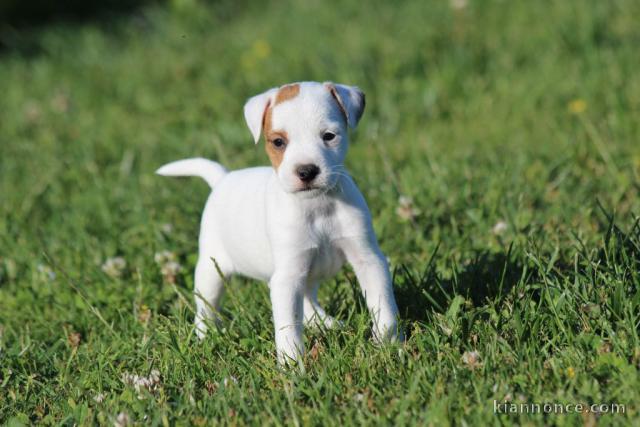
(278, 142)
(328, 136)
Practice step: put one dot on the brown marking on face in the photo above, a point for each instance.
(287, 92)
(334, 94)
(276, 154)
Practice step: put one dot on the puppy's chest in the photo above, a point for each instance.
(327, 256)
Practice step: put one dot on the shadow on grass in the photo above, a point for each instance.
(486, 277)
(489, 278)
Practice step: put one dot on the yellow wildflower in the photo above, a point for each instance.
(261, 49)
(577, 106)
(571, 372)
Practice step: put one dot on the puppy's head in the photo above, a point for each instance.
(305, 130)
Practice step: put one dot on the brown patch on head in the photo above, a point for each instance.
(334, 94)
(276, 154)
(287, 92)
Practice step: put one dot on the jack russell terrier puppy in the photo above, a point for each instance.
(293, 224)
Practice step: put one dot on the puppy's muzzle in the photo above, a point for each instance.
(307, 173)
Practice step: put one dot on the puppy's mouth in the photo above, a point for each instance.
(312, 189)
(309, 189)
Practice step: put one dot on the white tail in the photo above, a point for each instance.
(208, 170)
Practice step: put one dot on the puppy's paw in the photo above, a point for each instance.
(202, 325)
(323, 322)
(389, 334)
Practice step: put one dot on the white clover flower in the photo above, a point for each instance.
(122, 420)
(405, 209)
(170, 269)
(141, 383)
(114, 267)
(99, 398)
(169, 266)
(499, 228)
(164, 257)
(46, 272)
(228, 381)
(471, 359)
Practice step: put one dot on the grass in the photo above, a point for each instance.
(511, 126)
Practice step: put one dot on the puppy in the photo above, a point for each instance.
(295, 223)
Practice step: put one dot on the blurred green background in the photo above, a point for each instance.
(499, 154)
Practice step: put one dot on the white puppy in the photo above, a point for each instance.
(293, 224)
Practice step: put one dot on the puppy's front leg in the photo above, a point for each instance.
(372, 271)
(287, 291)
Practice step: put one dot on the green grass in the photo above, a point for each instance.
(517, 114)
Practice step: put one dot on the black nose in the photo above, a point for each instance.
(307, 173)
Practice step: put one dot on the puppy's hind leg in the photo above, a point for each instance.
(209, 288)
(314, 314)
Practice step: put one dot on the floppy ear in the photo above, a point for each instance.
(350, 100)
(254, 110)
